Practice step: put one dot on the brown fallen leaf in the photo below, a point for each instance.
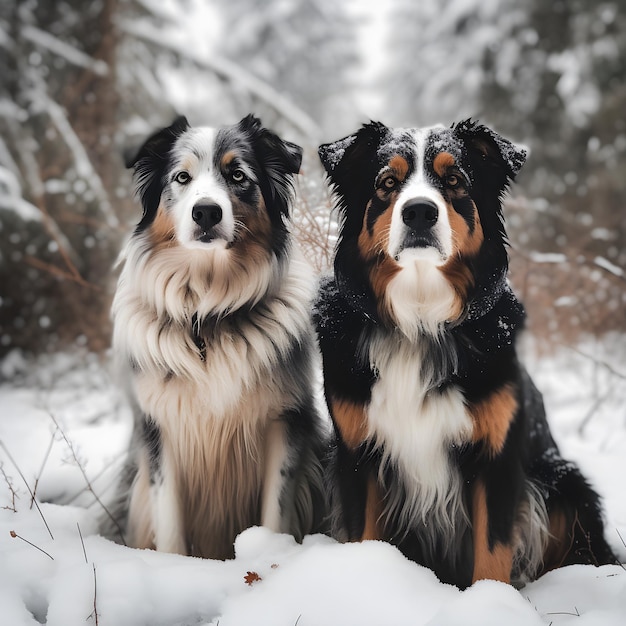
(251, 578)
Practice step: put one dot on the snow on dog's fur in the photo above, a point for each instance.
(443, 447)
(212, 325)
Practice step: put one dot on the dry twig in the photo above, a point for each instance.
(16, 536)
(82, 542)
(43, 464)
(14, 495)
(19, 471)
(94, 613)
(86, 478)
(58, 272)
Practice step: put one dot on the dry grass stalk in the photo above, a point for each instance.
(86, 478)
(19, 471)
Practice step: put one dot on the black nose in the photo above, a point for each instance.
(420, 214)
(207, 215)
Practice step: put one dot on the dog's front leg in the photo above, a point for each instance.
(496, 491)
(360, 491)
(140, 522)
(167, 517)
(493, 554)
(274, 511)
(373, 510)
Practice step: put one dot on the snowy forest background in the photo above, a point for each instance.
(82, 82)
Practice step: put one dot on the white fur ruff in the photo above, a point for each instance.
(158, 295)
(419, 296)
(415, 430)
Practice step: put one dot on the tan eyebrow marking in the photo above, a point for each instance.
(399, 166)
(442, 162)
(228, 158)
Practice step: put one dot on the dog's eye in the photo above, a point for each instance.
(389, 183)
(453, 181)
(182, 177)
(238, 176)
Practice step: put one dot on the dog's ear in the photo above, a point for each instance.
(158, 144)
(351, 165)
(493, 163)
(331, 154)
(279, 160)
(353, 150)
(498, 155)
(150, 164)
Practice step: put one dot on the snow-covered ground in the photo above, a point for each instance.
(64, 417)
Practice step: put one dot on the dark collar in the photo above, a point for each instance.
(197, 337)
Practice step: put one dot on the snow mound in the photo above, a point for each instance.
(272, 581)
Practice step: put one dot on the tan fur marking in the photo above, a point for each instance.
(228, 158)
(351, 421)
(559, 542)
(380, 233)
(492, 564)
(373, 511)
(254, 232)
(442, 162)
(492, 417)
(399, 166)
(162, 230)
(373, 247)
(464, 242)
(460, 229)
(474, 240)
(380, 276)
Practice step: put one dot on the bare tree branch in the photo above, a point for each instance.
(235, 74)
(43, 39)
(59, 273)
(82, 162)
(603, 364)
(12, 491)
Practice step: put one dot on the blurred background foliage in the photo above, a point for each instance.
(82, 82)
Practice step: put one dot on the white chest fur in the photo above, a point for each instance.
(153, 308)
(415, 430)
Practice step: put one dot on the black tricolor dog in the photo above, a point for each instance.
(443, 447)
